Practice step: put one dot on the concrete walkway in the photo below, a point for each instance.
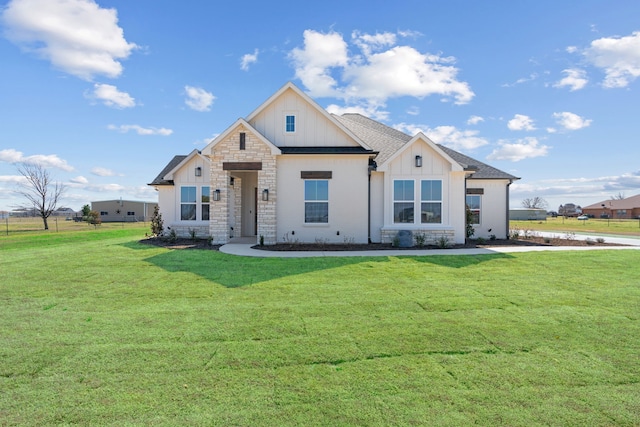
(243, 247)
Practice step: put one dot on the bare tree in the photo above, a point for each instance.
(535, 203)
(43, 194)
(619, 196)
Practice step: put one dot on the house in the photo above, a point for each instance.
(124, 210)
(621, 208)
(569, 209)
(292, 172)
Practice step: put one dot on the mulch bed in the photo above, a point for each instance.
(529, 241)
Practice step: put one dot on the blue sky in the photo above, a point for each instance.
(105, 93)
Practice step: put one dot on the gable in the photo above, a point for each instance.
(314, 127)
(230, 140)
(434, 159)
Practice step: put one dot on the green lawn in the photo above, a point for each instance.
(102, 330)
(629, 227)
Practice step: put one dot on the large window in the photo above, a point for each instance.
(290, 124)
(431, 202)
(403, 201)
(188, 203)
(473, 203)
(316, 201)
(204, 199)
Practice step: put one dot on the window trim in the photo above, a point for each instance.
(287, 124)
(432, 201)
(403, 201)
(479, 210)
(198, 203)
(316, 201)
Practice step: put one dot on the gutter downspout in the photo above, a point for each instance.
(372, 166)
(507, 216)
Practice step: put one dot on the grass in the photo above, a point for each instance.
(628, 227)
(107, 331)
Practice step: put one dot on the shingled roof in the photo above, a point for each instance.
(387, 140)
(159, 180)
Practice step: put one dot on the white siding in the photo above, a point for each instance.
(493, 210)
(170, 203)
(434, 167)
(348, 208)
(313, 129)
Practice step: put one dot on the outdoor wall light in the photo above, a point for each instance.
(198, 171)
(418, 161)
(265, 195)
(216, 195)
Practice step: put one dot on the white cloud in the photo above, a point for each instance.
(371, 110)
(521, 122)
(575, 79)
(102, 171)
(522, 80)
(198, 99)
(248, 59)
(141, 130)
(474, 120)
(76, 36)
(112, 97)
(571, 121)
(522, 149)
(13, 179)
(450, 136)
(383, 70)
(79, 180)
(619, 57)
(313, 64)
(45, 160)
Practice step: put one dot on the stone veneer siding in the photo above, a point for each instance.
(228, 150)
(432, 237)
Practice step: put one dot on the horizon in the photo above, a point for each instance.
(104, 94)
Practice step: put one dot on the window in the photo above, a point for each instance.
(130, 213)
(431, 202)
(243, 141)
(473, 203)
(104, 213)
(316, 201)
(188, 203)
(290, 124)
(204, 199)
(403, 200)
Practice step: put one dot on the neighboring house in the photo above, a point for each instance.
(290, 171)
(569, 209)
(124, 210)
(623, 208)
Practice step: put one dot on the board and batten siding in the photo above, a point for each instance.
(348, 208)
(313, 129)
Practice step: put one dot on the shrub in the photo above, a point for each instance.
(600, 240)
(469, 217)
(193, 233)
(94, 218)
(157, 224)
(442, 242)
(421, 239)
